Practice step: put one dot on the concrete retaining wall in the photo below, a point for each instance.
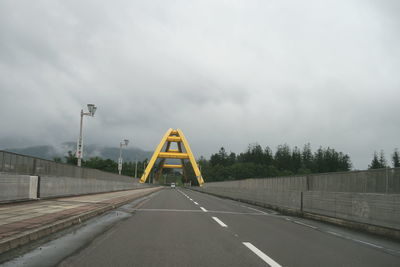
(375, 209)
(367, 200)
(53, 186)
(24, 187)
(20, 174)
(371, 181)
(17, 187)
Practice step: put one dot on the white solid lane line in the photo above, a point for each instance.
(255, 210)
(203, 209)
(219, 222)
(313, 227)
(367, 243)
(261, 254)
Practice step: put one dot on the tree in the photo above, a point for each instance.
(283, 157)
(296, 160)
(396, 158)
(71, 158)
(307, 159)
(375, 163)
(57, 159)
(382, 159)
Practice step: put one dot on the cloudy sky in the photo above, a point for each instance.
(228, 73)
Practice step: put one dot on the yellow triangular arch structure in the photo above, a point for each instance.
(169, 137)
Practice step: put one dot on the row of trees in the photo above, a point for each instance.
(379, 161)
(258, 162)
(108, 165)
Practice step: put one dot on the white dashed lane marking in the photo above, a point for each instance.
(261, 254)
(307, 225)
(220, 222)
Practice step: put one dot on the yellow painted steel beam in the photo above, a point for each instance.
(174, 139)
(169, 155)
(154, 157)
(173, 136)
(191, 158)
(171, 166)
(184, 172)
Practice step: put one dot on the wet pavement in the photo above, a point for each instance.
(24, 219)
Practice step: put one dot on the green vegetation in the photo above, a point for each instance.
(257, 162)
(108, 165)
(380, 162)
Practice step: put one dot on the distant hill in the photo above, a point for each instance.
(50, 152)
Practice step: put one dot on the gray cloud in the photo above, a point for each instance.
(226, 72)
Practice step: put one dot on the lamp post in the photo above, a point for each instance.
(121, 144)
(79, 150)
(135, 168)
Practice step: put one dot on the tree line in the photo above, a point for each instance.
(108, 165)
(257, 162)
(379, 161)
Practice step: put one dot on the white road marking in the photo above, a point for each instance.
(203, 209)
(313, 227)
(196, 203)
(209, 211)
(219, 222)
(333, 233)
(256, 209)
(261, 254)
(367, 243)
(191, 199)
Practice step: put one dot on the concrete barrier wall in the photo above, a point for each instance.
(13, 163)
(24, 187)
(54, 179)
(359, 197)
(17, 187)
(376, 209)
(51, 186)
(371, 181)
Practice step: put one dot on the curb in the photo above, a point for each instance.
(16, 241)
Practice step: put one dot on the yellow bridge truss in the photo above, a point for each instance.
(183, 152)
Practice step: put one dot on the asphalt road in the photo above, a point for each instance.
(178, 227)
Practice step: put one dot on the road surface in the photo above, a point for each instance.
(178, 227)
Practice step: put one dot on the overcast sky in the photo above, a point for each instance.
(228, 73)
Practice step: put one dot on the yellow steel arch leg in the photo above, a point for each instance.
(178, 137)
(191, 157)
(154, 157)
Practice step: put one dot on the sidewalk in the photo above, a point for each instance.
(21, 223)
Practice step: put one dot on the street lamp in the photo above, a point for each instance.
(79, 150)
(121, 144)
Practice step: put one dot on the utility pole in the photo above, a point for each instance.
(135, 168)
(123, 143)
(79, 149)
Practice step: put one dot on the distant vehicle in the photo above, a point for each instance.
(172, 185)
